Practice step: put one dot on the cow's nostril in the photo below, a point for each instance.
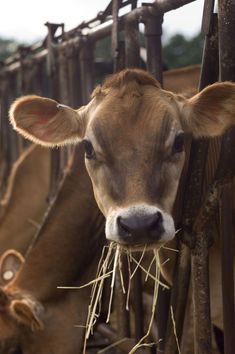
(156, 220)
(123, 227)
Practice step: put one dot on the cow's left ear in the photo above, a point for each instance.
(211, 111)
(27, 312)
(10, 263)
(46, 122)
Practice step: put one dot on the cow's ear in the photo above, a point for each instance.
(27, 312)
(211, 111)
(44, 121)
(10, 263)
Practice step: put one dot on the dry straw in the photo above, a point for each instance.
(108, 266)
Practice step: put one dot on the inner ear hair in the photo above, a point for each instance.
(10, 264)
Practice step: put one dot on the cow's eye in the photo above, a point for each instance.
(178, 145)
(89, 150)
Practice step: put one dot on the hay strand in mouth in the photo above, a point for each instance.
(149, 274)
(87, 284)
(174, 329)
(149, 268)
(170, 249)
(121, 275)
(154, 304)
(117, 253)
(113, 259)
(139, 262)
(96, 294)
(129, 282)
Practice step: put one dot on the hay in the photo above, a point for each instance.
(108, 266)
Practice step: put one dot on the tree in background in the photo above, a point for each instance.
(177, 52)
(180, 51)
(7, 47)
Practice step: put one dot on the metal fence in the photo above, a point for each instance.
(63, 67)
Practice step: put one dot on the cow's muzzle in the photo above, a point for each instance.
(139, 225)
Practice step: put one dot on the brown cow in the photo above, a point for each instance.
(19, 213)
(133, 136)
(35, 316)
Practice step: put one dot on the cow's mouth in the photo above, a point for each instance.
(140, 247)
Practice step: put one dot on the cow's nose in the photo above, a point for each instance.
(140, 228)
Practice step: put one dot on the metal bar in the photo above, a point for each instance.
(63, 74)
(123, 323)
(137, 294)
(226, 15)
(52, 67)
(115, 33)
(200, 253)
(193, 184)
(87, 69)
(227, 269)
(104, 29)
(153, 32)
(75, 91)
(201, 294)
(132, 46)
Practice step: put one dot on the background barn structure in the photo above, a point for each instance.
(64, 67)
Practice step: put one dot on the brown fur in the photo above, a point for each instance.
(64, 253)
(24, 202)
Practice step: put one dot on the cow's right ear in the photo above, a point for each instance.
(10, 263)
(46, 122)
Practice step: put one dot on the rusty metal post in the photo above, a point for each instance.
(63, 74)
(227, 234)
(52, 70)
(118, 54)
(75, 90)
(153, 32)
(194, 184)
(87, 68)
(117, 50)
(132, 46)
(226, 15)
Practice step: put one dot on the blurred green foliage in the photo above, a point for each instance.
(180, 51)
(177, 52)
(7, 47)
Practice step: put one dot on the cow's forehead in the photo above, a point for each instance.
(149, 117)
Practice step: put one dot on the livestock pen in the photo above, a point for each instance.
(64, 67)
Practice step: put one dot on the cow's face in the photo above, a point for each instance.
(134, 148)
(133, 136)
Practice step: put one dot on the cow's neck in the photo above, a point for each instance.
(69, 237)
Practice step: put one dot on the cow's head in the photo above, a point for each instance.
(17, 309)
(133, 137)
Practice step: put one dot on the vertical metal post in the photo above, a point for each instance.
(226, 15)
(75, 91)
(132, 46)
(200, 253)
(52, 69)
(198, 155)
(153, 32)
(117, 45)
(63, 74)
(87, 69)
